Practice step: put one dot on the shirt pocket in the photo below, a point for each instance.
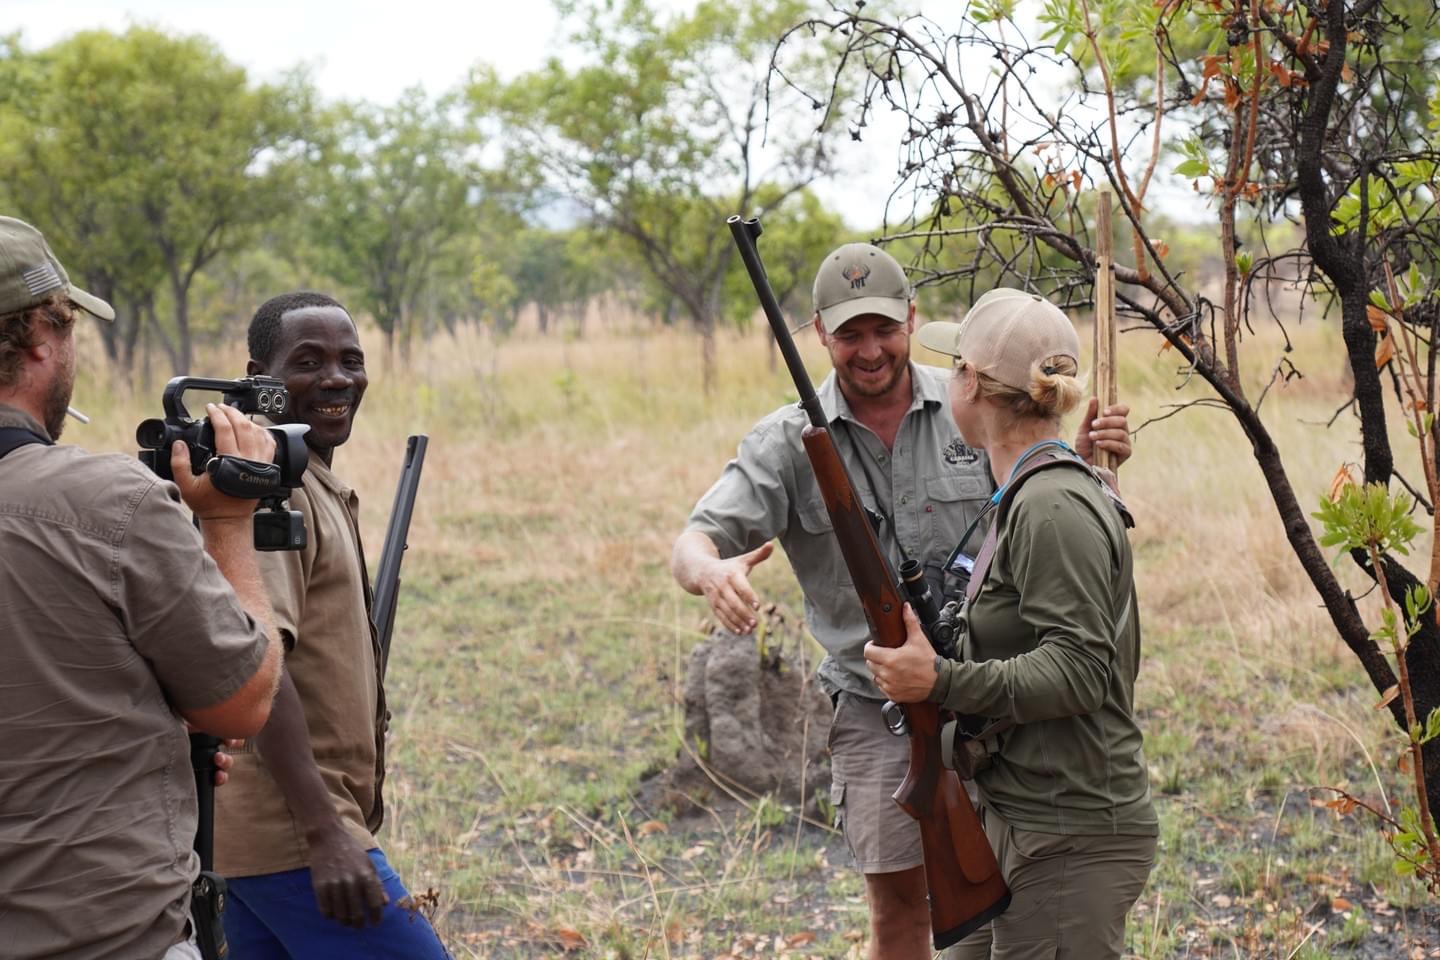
(816, 552)
(952, 502)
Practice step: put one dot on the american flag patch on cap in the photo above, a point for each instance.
(40, 279)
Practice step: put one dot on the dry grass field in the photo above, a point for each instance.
(537, 657)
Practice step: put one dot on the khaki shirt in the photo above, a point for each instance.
(321, 597)
(1053, 642)
(112, 616)
(931, 486)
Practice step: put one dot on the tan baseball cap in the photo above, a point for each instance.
(859, 279)
(1004, 334)
(29, 273)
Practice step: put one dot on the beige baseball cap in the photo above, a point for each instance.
(1004, 334)
(859, 279)
(29, 273)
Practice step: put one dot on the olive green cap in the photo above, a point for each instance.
(1004, 334)
(29, 273)
(860, 279)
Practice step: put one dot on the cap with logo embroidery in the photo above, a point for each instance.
(1004, 334)
(859, 279)
(29, 273)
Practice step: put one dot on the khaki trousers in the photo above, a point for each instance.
(1069, 895)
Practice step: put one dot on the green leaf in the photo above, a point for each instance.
(1432, 726)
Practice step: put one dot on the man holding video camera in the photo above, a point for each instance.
(118, 620)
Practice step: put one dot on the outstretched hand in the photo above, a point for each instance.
(905, 674)
(726, 586)
(1109, 432)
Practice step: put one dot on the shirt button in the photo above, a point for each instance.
(929, 508)
(905, 499)
(883, 458)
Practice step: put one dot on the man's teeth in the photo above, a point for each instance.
(334, 410)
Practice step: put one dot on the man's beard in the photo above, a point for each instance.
(898, 366)
(57, 402)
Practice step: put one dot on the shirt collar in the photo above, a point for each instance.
(316, 468)
(15, 417)
(925, 391)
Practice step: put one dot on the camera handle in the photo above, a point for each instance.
(207, 893)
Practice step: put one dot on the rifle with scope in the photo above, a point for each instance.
(966, 887)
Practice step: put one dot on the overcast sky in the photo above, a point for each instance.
(374, 49)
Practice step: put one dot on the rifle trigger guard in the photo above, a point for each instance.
(894, 716)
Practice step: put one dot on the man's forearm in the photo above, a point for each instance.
(693, 551)
(230, 543)
(285, 746)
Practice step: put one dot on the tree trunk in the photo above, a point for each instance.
(706, 324)
(184, 355)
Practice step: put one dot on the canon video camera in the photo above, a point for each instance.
(276, 528)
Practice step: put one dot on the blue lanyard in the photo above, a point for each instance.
(995, 498)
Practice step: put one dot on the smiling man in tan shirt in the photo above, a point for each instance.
(294, 831)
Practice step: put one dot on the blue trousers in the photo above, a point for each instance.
(275, 917)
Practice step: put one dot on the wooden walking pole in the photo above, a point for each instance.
(1104, 379)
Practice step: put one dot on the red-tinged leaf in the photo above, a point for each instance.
(1340, 905)
(1232, 95)
(570, 939)
(1346, 73)
(1402, 763)
(1075, 178)
(1343, 478)
(1379, 319)
(1161, 248)
(651, 826)
(1388, 697)
(1385, 352)
(1343, 805)
(1211, 64)
(1049, 181)
(800, 939)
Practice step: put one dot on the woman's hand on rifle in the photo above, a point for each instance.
(905, 674)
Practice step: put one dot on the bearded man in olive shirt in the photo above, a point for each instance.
(304, 801)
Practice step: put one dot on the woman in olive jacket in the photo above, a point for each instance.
(1051, 644)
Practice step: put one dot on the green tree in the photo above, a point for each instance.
(145, 156)
(799, 231)
(659, 134)
(393, 190)
(1322, 119)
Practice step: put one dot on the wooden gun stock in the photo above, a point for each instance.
(966, 887)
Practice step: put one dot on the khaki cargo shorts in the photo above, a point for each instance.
(867, 764)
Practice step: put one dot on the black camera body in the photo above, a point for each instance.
(276, 528)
